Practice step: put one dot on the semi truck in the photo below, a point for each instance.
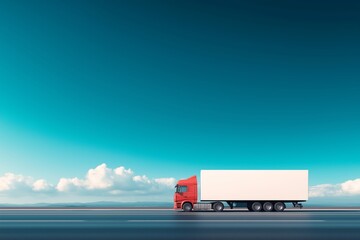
(257, 190)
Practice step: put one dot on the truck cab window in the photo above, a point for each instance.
(181, 189)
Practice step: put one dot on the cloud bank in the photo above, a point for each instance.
(115, 182)
(348, 188)
(121, 184)
(11, 182)
(100, 181)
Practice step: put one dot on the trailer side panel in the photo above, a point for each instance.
(259, 185)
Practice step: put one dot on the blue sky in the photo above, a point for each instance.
(167, 88)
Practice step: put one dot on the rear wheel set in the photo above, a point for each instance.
(252, 206)
(266, 206)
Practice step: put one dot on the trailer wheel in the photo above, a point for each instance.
(279, 207)
(268, 206)
(187, 207)
(218, 207)
(256, 206)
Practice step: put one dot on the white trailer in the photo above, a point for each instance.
(260, 185)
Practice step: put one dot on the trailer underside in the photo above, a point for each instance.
(252, 205)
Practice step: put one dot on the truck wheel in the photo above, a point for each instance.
(268, 206)
(256, 206)
(187, 207)
(218, 207)
(279, 207)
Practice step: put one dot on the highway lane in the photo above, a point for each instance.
(169, 224)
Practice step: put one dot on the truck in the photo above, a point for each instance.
(257, 190)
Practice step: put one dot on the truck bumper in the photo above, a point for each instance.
(177, 205)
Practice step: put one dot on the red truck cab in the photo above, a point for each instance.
(186, 193)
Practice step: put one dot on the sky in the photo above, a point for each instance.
(116, 100)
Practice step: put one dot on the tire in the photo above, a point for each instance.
(218, 207)
(279, 206)
(256, 206)
(187, 207)
(268, 206)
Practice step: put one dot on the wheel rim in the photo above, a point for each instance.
(280, 207)
(218, 207)
(268, 207)
(187, 207)
(256, 207)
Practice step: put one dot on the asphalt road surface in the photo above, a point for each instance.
(169, 224)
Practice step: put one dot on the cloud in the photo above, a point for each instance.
(351, 187)
(122, 184)
(41, 185)
(101, 181)
(66, 184)
(169, 182)
(11, 183)
(323, 190)
(348, 188)
(115, 182)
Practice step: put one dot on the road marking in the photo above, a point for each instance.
(322, 209)
(245, 221)
(85, 209)
(167, 209)
(40, 221)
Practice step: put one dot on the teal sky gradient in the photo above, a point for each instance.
(171, 87)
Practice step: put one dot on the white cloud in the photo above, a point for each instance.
(169, 182)
(122, 184)
(67, 184)
(323, 190)
(41, 185)
(16, 185)
(99, 178)
(115, 182)
(351, 187)
(348, 188)
(11, 181)
(101, 182)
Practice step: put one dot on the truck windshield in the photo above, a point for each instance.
(180, 189)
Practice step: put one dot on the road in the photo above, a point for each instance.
(169, 224)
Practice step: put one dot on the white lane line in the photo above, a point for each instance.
(40, 221)
(165, 209)
(323, 209)
(85, 209)
(245, 221)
